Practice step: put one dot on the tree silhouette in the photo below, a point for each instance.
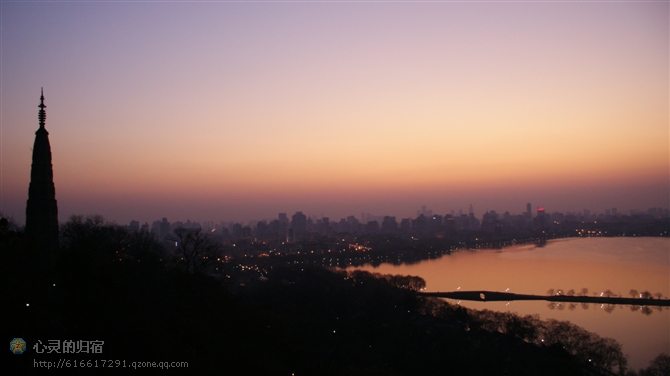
(646, 294)
(195, 250)
(407, 282)
(590, 347)
(660, 366)
(7, 223)
(646, 310)
(93, 240)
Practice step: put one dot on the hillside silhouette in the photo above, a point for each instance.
(108, 283)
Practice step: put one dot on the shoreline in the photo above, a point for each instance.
(494, 296)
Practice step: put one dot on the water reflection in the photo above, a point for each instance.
(587, 267)
(609, 308)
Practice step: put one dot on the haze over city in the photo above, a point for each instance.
(239, 111)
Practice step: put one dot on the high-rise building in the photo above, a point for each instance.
(165, 228)
(372, 227)
(41, 208)
(406, 224)
(353, 223)
(529, 211)
(389, 224)
(343, 225)
(541, 220)
(299, 224)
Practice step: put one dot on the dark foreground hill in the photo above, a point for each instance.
(301, 321)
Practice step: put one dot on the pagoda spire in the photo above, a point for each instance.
(42, 208)
(42, 116)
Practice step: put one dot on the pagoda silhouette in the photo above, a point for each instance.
(41, 209)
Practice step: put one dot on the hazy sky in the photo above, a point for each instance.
(238, 111)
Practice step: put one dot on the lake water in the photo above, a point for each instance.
(598, 264)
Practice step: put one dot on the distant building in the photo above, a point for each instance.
(436, 221)
(324, 227)
(490, 221)
(406, 225)
(237, 231)
(343, 225)
(426, 212)
(164, 229)
(473, 222)
(389, 224)
(420, 224)
(262, 229)
(134, 225)
(541, 220)
(372, 227)
(156, 229)
(353, 223)
(299, 224)
(310, 224)
(449, 222)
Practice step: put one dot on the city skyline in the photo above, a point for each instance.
(364, 218)
(240, 111)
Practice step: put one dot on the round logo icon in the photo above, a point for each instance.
(17, 346)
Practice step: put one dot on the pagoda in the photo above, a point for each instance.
(42, 210)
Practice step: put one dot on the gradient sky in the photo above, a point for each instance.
(238, 111)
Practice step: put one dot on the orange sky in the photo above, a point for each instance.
(216, 111)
